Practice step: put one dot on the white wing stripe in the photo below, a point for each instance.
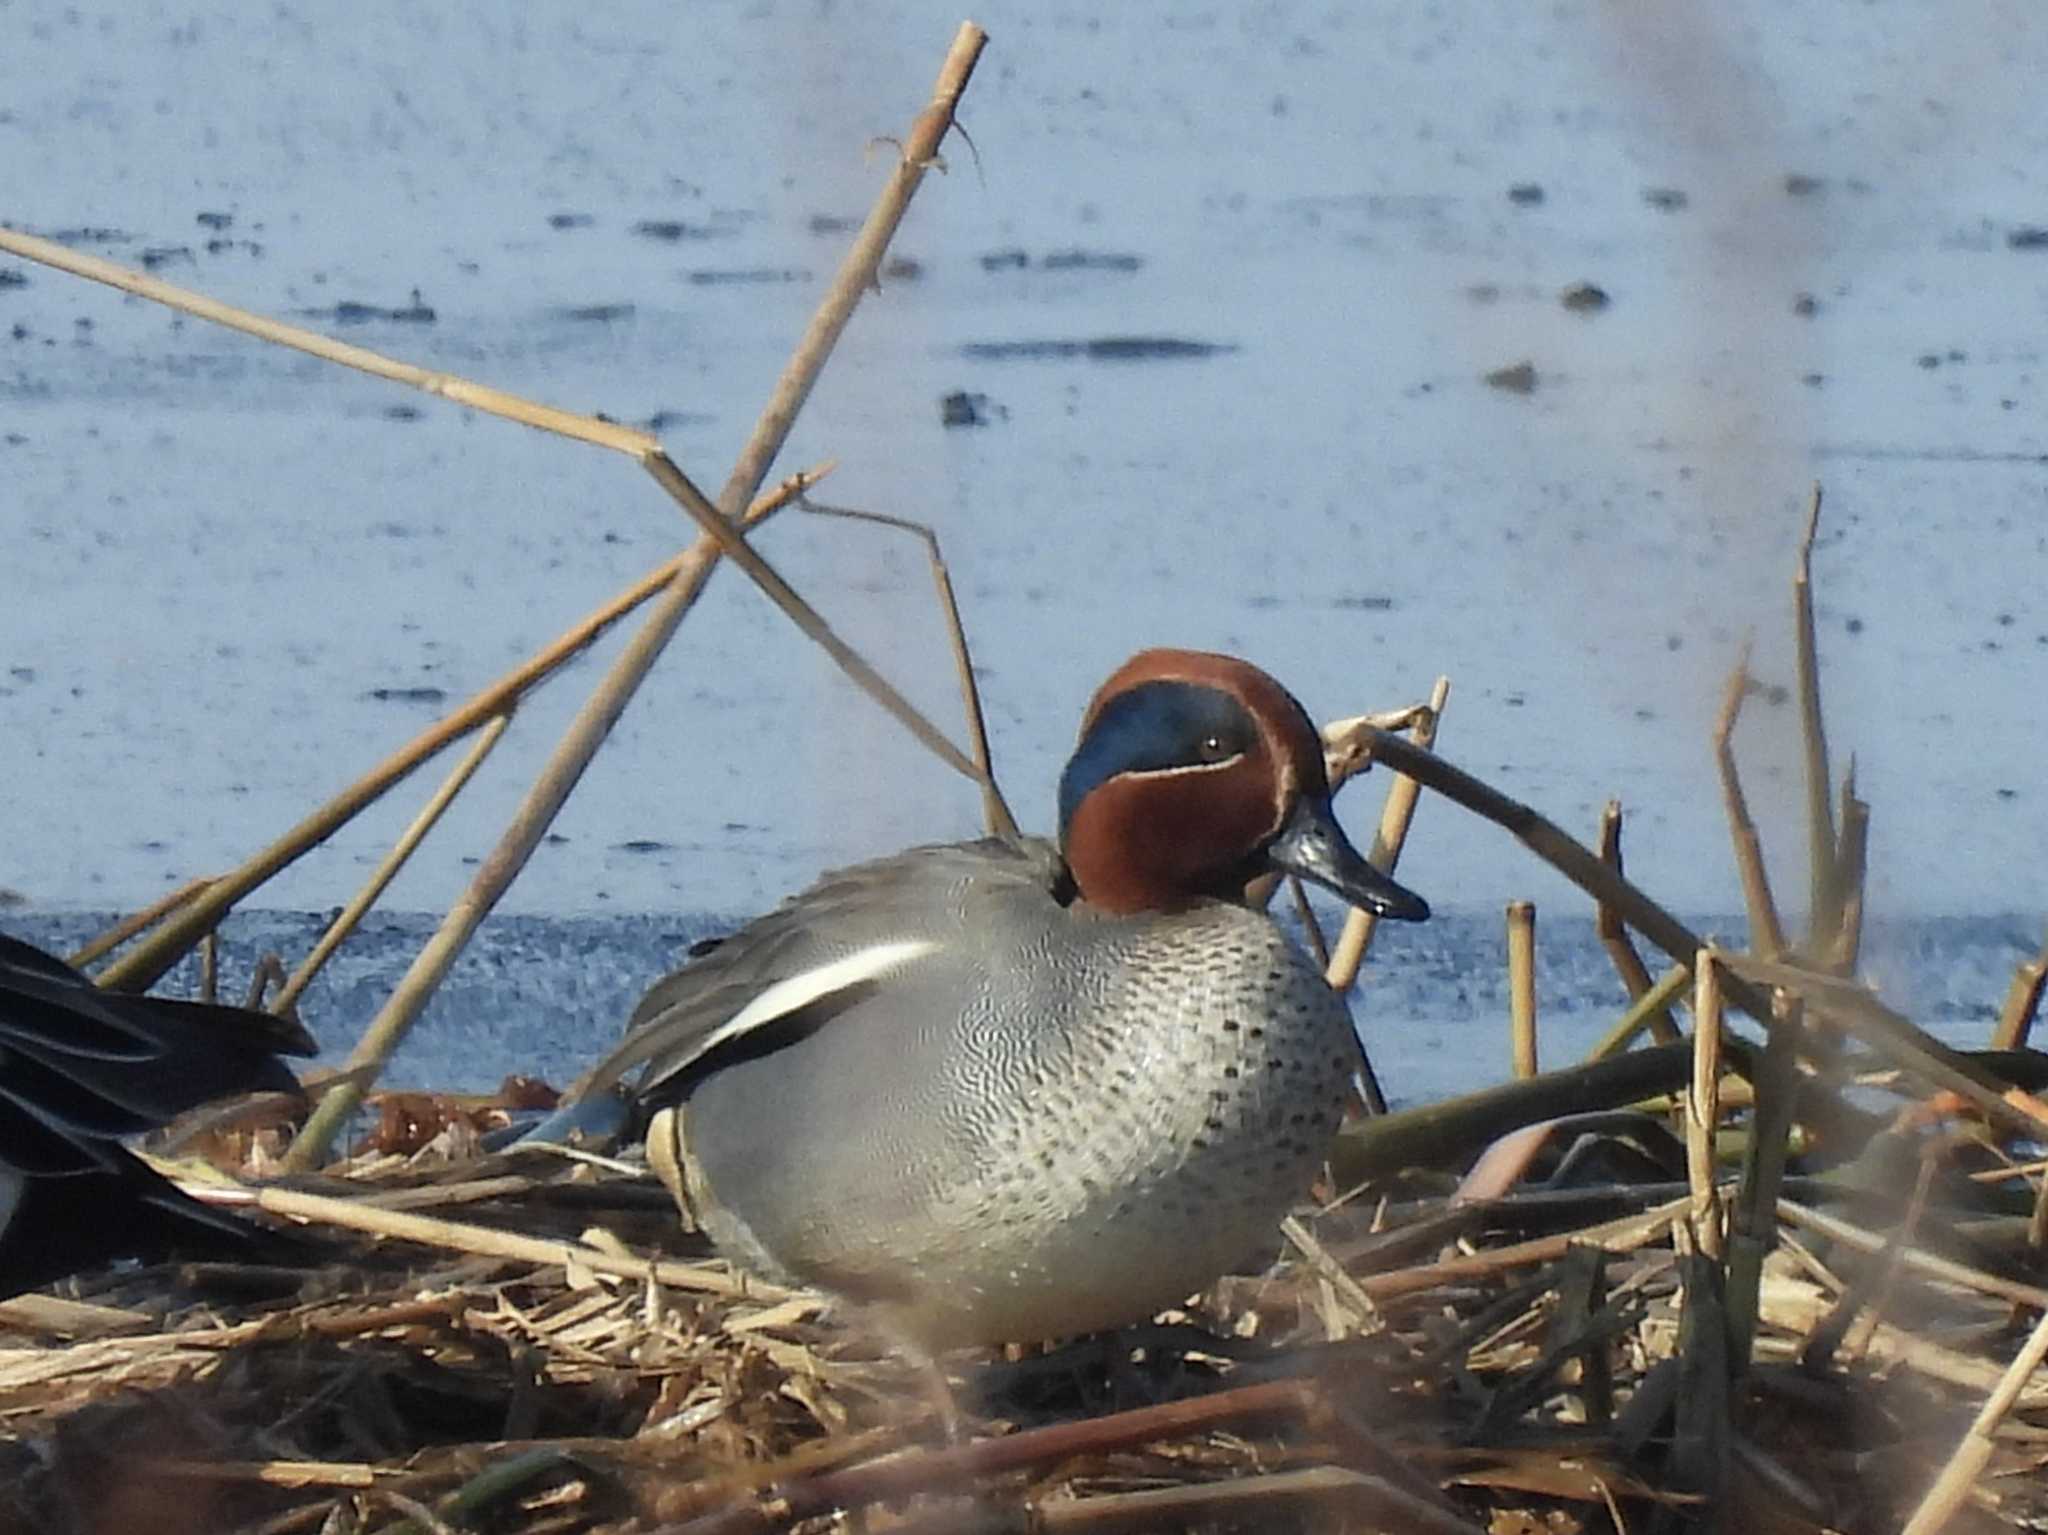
(801, 990)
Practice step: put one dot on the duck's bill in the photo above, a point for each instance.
(1314, 846)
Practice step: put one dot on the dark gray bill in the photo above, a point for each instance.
(1314, 846)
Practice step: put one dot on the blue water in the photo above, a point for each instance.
(231, 578)
(546, 995)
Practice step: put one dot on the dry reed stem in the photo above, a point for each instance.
(603, 434)
(1365, 1316)
(146, 964)
(130, 925)
(2022, 1002)
(1622, 1235)
(995, 809)
(1879, 1290)
(1845, 944)
(857, 274)
(1703, 1103)
(1642, 1014)
(1452, 1129)
(2037, 1223)
(268, 1473)
(1628, 964)
(1822, 847)
(1766, 932)
(488, 1241)
(1249, 1502)
(536, 812)
(1564, 853)
(367, 1049)
(1959, 1475)
(1898, 1039)
(734, 547)
(1947, 1270)
(1753, 1220)
(922, 1472)
(1521, 919)
(593, 722)
(1396, 816)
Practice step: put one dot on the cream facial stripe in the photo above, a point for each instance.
(806, 987)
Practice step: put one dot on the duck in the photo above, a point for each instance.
(1015, 1091)
(81, 1070)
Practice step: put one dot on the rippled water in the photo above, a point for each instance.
(1221, 287)
(545, 994)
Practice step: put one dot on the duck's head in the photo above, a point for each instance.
(1194, 775)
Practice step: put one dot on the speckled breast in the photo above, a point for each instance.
(1121, 1110)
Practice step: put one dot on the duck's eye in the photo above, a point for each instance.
(1213, 748)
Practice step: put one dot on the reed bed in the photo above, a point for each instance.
(1783, 1275)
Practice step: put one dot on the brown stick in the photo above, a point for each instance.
(1569, 857)
(608, 700)
(1635, 975)
(734, 546)
(1396, 817)
(1522, 986)
(1835, 1229)
(143, 966)
(1767, 934)
(2022, 1002)
(926, 1471)
(1820, 821)
(1845, 945)
(461, 1236)
(590, 429)
(368, 1050)
(1754, 1218)
(1643, 1013)
(1703, 1102)
(995, 810)
(1974, 1453)
(1623, 1235)
(129, 926)
(1895, 1037)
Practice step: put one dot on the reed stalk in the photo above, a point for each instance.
(1642, 1014)
(143, 966)
(495, 402)
(1952, 1487)
(1521, 918)
(1849, 876)
(1628, 964)
(1918, 1259)
(1826, 890)
(1397, 815)
(1766, 932)
(995, 810)
(719, 528)
(1703, 1103)
(488, 1241)
(2022, 1002)
(129, 926)
(593, 723)
(1898, 1039)
(1753, 1219)
(1558, 848)
(370, 1051)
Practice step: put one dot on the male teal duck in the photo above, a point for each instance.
(1014, 1092)
(80, 1069)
